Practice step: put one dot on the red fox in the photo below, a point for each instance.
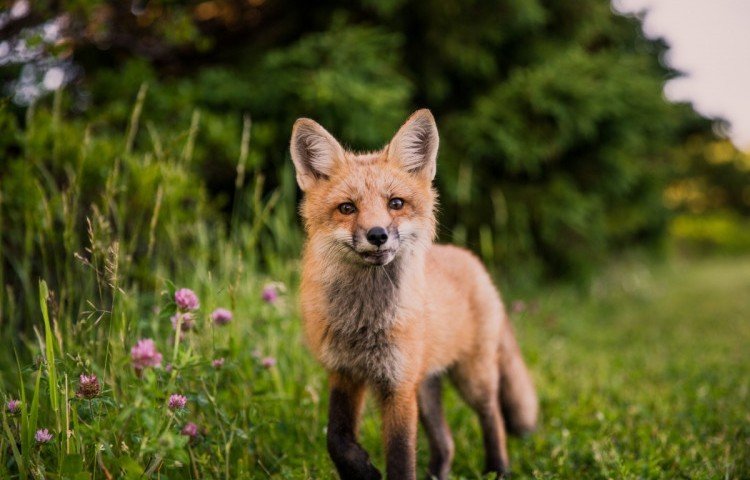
(384, 307)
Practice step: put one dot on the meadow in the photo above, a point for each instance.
(643, 373)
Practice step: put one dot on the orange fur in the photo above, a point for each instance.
(396, 315)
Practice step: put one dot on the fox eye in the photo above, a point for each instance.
(347, 208)
(396, 203)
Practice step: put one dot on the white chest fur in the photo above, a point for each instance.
(361, 311)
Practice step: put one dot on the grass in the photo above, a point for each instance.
(646, 379)
(644, 376)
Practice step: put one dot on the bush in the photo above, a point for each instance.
(719, 232)
(87, 195)
(554, 131)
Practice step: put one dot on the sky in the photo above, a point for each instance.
(710, 43)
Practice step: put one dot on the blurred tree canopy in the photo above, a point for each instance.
(557, 143)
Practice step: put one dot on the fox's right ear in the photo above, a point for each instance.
(314, 152)
(415, 145)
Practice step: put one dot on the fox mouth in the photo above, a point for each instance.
(377, 257)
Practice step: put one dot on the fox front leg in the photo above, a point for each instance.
(345, 405)
(400, 416)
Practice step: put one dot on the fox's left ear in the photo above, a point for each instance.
(415, 145)
(314, 152)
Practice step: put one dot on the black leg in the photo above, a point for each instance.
(438, 433)
(493, 434)
(351, 460)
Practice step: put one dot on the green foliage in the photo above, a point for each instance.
(127, 428)
(710, 175)
(723, 232)
(78, 195)
(555, 135)
(105, 222)
(557, 153)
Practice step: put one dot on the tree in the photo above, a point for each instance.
(556, 138)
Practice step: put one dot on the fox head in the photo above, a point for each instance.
(367, 208)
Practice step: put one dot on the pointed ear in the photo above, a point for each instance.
(415, 145)
(314, 152)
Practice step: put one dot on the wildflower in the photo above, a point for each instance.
(218, 363)
(518, 306)
(186, 299)
(88, 386)
(268, 362)
(177, 402)
(13, 406)
(168, 368)
(190, 430)
(144, 354)
(221, 316)
(42, 436)
(188, 321)
(270, 293)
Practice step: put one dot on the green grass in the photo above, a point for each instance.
(644, 377)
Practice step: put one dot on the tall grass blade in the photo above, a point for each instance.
(154, 221)
(30, 418)
(239, 182)
(244, 152)
(187, 154)
(49, 352)
(135, 117)
(14, 448)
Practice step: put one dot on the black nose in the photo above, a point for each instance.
(377, 236)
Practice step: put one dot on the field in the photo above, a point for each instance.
(643, 376)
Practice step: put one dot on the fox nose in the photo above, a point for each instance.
(377, 236)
